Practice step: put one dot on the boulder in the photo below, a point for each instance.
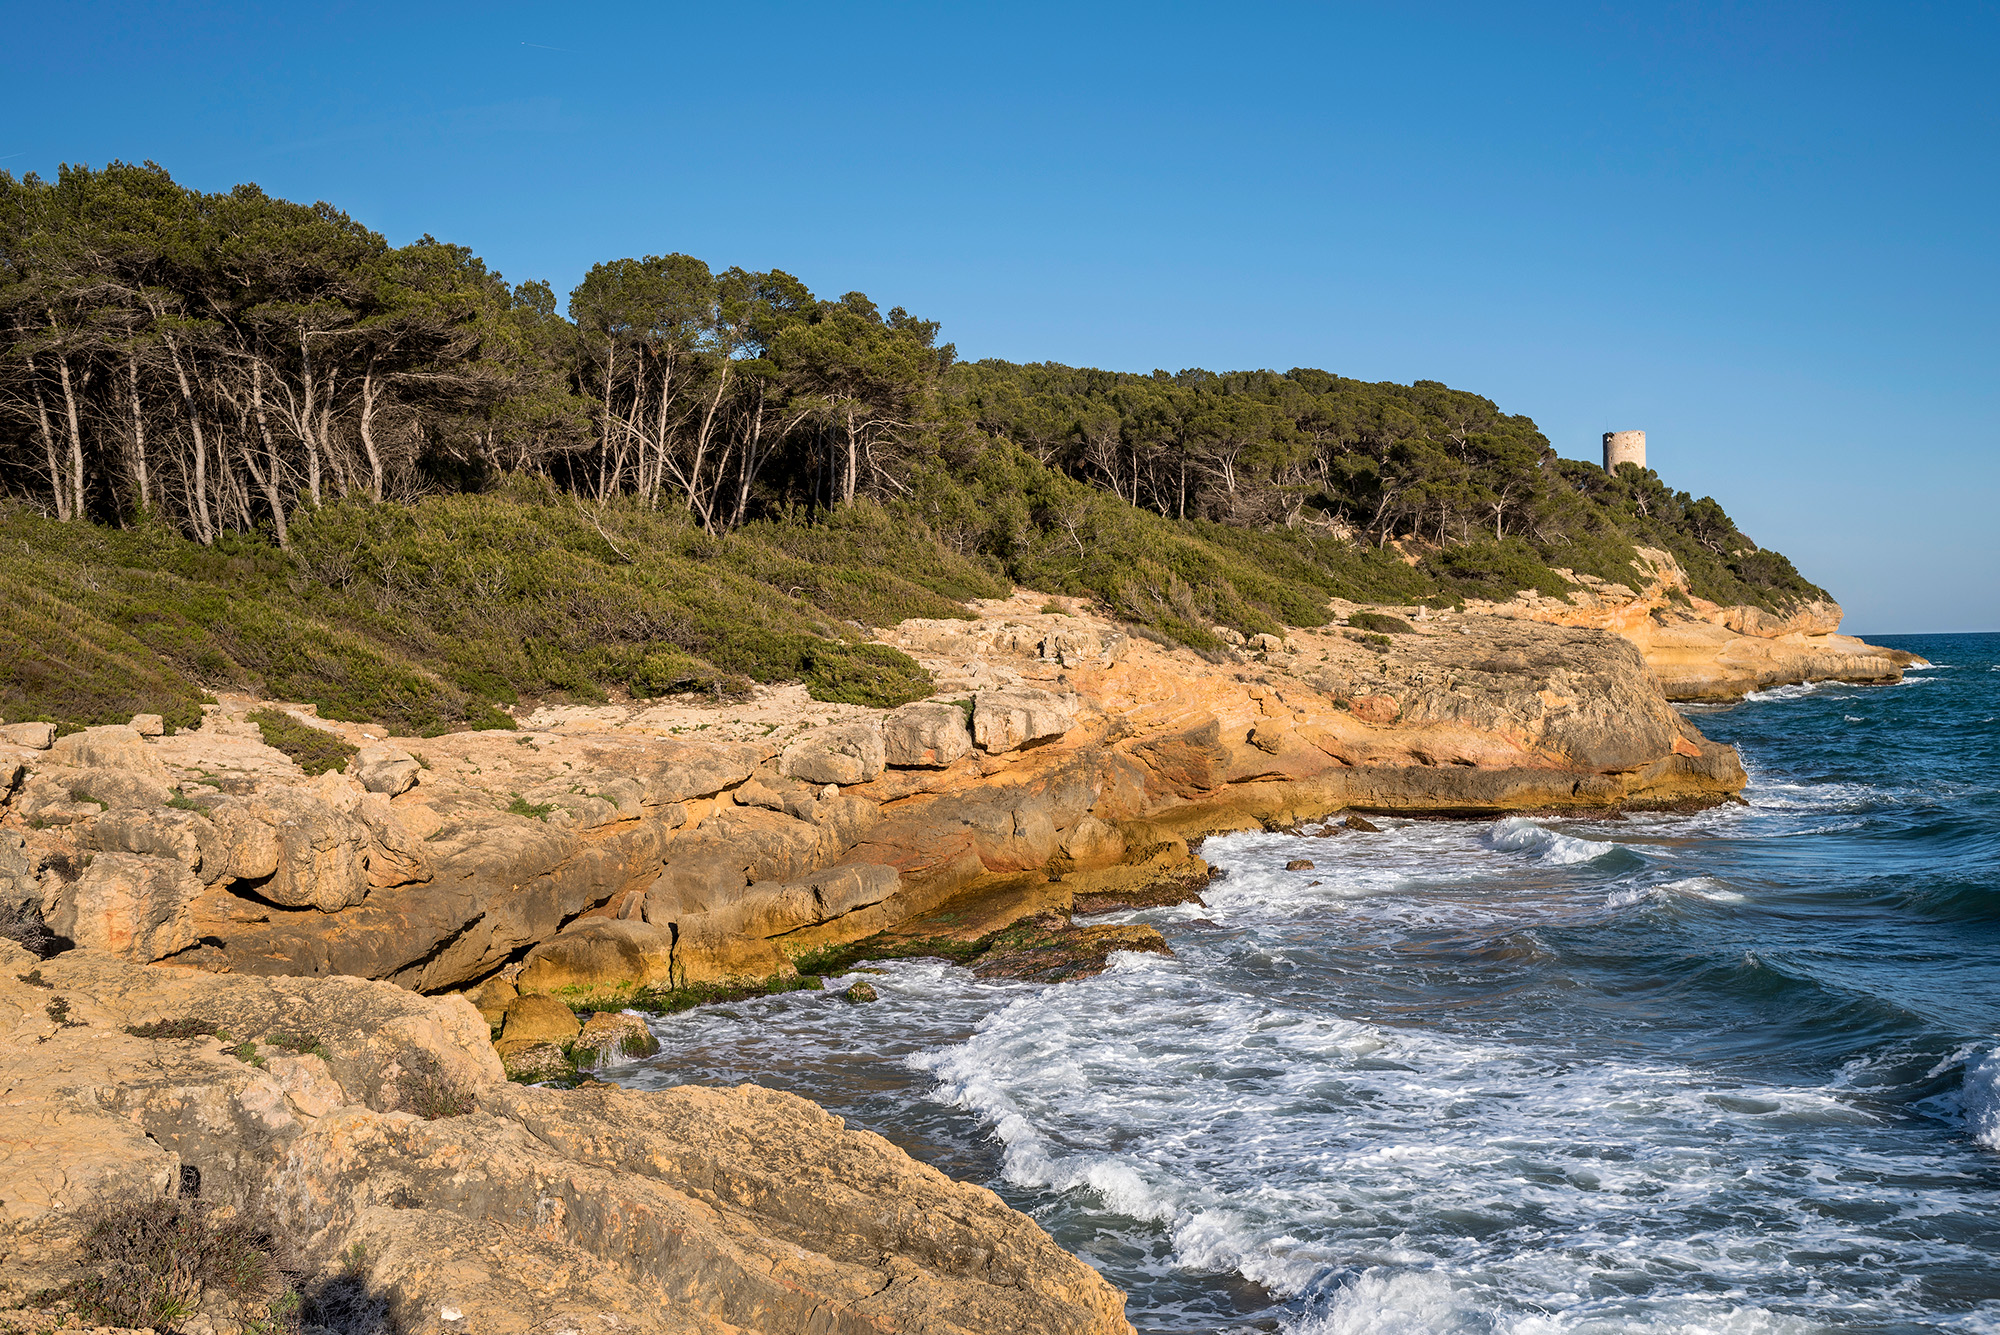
(704, 955)
(52, 795)
(149, 725)
(1008, 720)
(385, 769)
(844, 753)
(187, 837)
(113, 747)
(925, 736)
(538, 1019)
(858, 993)
(840, 890)
(34, 736)
(305, 853)
(492, 998)
(1092, 844)
(134, 907)
(600, 957)
(532, 1061)
(611, 1037)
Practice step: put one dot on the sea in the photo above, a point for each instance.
(1732, 1071)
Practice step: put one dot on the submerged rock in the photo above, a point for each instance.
(1050, 949)
(609, 1037)
(858, 993)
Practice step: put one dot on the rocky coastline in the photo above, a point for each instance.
(407, 908)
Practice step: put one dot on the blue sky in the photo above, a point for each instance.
(1761, 232)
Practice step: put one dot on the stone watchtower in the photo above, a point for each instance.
(1624, 447)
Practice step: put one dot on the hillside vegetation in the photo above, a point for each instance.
(250, 444)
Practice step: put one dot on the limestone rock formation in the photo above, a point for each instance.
(1700, 650)
(404, 1163)
(1008, 720)
(844, 754)
(925, 735)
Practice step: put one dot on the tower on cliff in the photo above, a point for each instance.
(1624, 447)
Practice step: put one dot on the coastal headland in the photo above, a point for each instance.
(297, 999)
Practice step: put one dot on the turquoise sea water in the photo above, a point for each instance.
(1733, 1071)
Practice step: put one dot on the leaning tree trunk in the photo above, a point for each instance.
(140, 473)
(267, 480)
(57, 483)
(75, 441)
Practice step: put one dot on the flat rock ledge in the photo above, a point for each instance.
(506, 1209)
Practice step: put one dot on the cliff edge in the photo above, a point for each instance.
(1702, 651)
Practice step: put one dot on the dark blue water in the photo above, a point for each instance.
(1732, 1071)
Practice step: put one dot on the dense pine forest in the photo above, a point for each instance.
(247, 441)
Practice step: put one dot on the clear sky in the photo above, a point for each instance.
(1762, 232)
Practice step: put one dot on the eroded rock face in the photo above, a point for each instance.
(385, 769)
(843, 754)
(691, 1210)
(926, 736)
(1004, 721)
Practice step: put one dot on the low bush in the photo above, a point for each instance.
(314, 750)
(148, 1263)
(428, 1091)
(1381, 622)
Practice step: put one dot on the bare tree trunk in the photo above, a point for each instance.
(652, 490)
(304, 422)
(695, 502)
(268, 481)
(139, 469)
(747, 470)
(75, 441)
(204, 528)
(57, 483)
(853, 453)
(368, 432)
(604, 448)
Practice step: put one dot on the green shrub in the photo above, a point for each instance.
(1382, 622)
(314, 750)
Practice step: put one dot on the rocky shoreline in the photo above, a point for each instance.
(409, 906)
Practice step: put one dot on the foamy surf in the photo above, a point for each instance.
(1518, 834)
(1699, 887)
(1979, 1099)
(1725, 1071)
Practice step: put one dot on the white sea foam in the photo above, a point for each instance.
(1979, 1098)
(1701, 887)
(1473, 1185)
(1794, 691)
(1518, 834)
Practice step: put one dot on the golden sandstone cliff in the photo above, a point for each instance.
(205, 880)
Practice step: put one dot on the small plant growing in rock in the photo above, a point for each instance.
(306, 1045)
(63, 867)
(22, 923)
(181, 1028)
(428, 1091)
(150, 1261)
(58, 1010)
(521, 806)
(83, 795)
(246, 1052)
